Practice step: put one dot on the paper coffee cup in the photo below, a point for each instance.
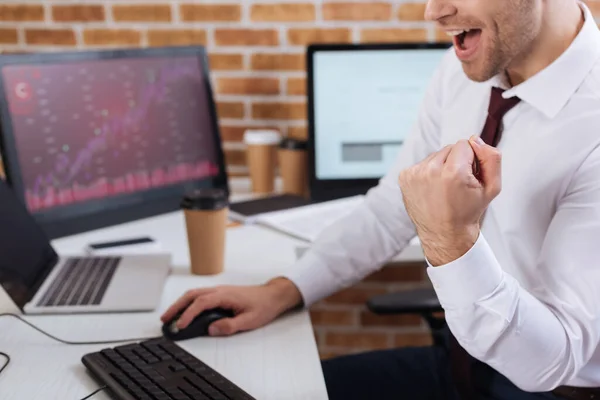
(206, 212)
(293, 166)
(261, 146)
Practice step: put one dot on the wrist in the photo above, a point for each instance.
(285, 293)
(443, 249)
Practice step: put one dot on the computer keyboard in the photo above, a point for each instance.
(159, 369)
(81, 281)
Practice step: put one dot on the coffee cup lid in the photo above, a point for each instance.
(262, 136)
(293, 144)
(205, 199)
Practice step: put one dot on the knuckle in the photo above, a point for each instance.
(496, 155)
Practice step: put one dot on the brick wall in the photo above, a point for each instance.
(343, 325)
(256, 47)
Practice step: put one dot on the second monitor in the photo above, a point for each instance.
(363, 99)
(96, 138)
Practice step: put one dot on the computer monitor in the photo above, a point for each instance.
(363, 100)
(97, 138)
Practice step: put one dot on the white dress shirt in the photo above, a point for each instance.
(525, 299)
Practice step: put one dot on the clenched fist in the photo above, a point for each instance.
(446, 195)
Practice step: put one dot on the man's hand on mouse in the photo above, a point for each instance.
(254, 306)
(446, 200)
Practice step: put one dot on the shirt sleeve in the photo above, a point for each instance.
(379, 228)
(542, 337)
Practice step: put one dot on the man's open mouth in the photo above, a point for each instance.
(466, 41)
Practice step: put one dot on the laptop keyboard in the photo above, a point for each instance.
(81, 281)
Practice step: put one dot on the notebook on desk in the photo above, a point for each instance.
(307, 222)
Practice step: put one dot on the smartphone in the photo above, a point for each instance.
(140, 245)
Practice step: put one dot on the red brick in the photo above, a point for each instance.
(306, 36)
(210, 12)
(442, 37)
(181, 37)
(412, 11)
(367, 318)
(266, 86)
(413, 340)
(21, 12)
(393, 35)
(283, 12)
(278, 110)
(243, 173)
(332, 317)
(235, 157)
(78, 13)
(354, 11)
(246, 37)
(124, 37)
(8, 36)
(354, 295)
(296, 86)
(51, 37)
(226, 109)
(235, 133)
(142, 12)
(326, 355)
(364, 340)
(298, 132)
(413, 272)
(226, 62)
(278, 62)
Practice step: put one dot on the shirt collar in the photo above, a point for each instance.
(550, 89)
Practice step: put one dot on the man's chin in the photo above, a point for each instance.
(477, 72)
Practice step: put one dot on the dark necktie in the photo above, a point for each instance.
(498, 106)
(491, 134)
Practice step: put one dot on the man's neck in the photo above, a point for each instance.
(561, 24)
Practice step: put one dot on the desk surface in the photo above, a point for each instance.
(279, 361)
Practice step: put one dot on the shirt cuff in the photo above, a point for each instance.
(312, 278)
(466, 280)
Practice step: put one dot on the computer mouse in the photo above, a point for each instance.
(198, 326)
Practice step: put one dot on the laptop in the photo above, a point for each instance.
(39, 281)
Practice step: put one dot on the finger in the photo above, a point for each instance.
(201, 303)
(490, 164)
(430, 156)
(183, 302)
(228, 326)
(439, 158)
(461, 155)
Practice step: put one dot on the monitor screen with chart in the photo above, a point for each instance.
(90, 132)
(363, 101)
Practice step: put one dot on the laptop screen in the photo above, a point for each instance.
(26, 256)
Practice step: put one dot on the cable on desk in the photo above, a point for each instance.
(7, 361)
(94, 392)
(72, 342)
(66, 341)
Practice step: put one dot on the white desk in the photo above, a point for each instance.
(278, 362)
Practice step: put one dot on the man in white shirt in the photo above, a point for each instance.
(512, 242)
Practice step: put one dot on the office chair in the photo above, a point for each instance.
(420, 301)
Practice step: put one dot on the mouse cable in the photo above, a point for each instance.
(74, 342)
(7, 361)
(95, 392)
(66, 342)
